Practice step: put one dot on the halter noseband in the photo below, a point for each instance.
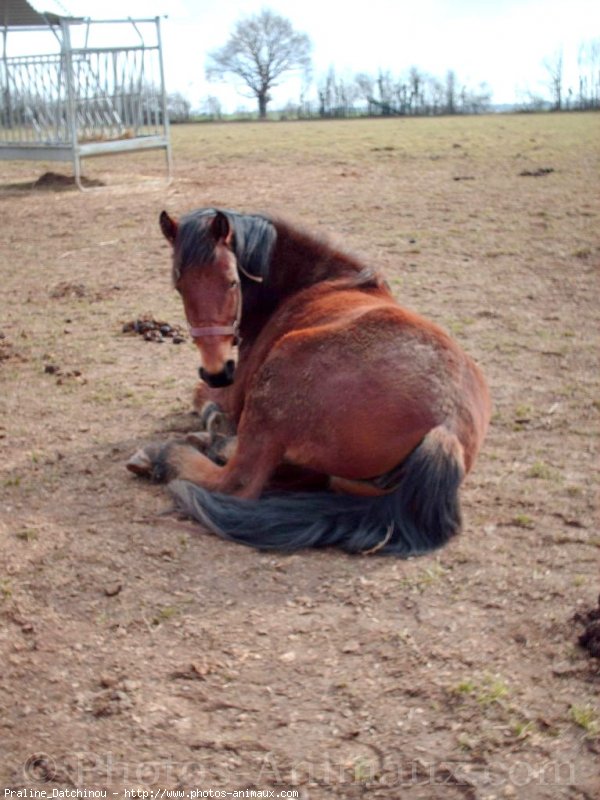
(216, 330)
(234, 328)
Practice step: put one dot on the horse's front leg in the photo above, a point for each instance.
(216, 434)
(204, 394)
(212, 406)
(176, 459)
(245, 474)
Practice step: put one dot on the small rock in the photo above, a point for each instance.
(564, 669)
(102, 707)
(288, 657)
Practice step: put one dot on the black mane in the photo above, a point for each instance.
(254, 238)
(285, 257)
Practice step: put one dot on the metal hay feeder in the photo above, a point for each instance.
(81, 101)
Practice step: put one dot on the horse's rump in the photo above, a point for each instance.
(354, 393)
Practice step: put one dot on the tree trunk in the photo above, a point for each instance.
(263, 99)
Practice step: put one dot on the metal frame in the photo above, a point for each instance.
(85, 101)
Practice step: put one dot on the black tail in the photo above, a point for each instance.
(422, 514)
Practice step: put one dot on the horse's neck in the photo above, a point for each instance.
(300, 261)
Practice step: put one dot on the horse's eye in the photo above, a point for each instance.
(233, 285)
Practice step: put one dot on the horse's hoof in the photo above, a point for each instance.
(220, 424)
(201, 440)
(152, 461)
(215, 421)
(140, 463)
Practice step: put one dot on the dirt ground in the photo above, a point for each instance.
(139, 652)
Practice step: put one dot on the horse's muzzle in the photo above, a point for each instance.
(216, 380)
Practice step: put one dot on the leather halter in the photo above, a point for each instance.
(227, 330)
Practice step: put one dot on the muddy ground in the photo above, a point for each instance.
(139, 652)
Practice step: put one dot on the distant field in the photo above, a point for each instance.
(140, 652)
(510, 135)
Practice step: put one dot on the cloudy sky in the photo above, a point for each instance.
(502, 42)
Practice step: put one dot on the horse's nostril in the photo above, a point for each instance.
(216, 380)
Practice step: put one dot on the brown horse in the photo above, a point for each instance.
(332, 376)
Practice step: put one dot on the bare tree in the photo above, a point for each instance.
(211, 107)
(385, 89)
(178, 107)
(365, 87)
(588, 61)
(437, 93)
(450, 92)
(475, 101)
(415, 82)
(554, 68)
(260, 51)
(337, 96)
(326, 92)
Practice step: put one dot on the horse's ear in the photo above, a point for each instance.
(168, 226)
(221, 229)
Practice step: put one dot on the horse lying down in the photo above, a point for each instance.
(375, 407)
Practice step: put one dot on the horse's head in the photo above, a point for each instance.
(205, 273)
